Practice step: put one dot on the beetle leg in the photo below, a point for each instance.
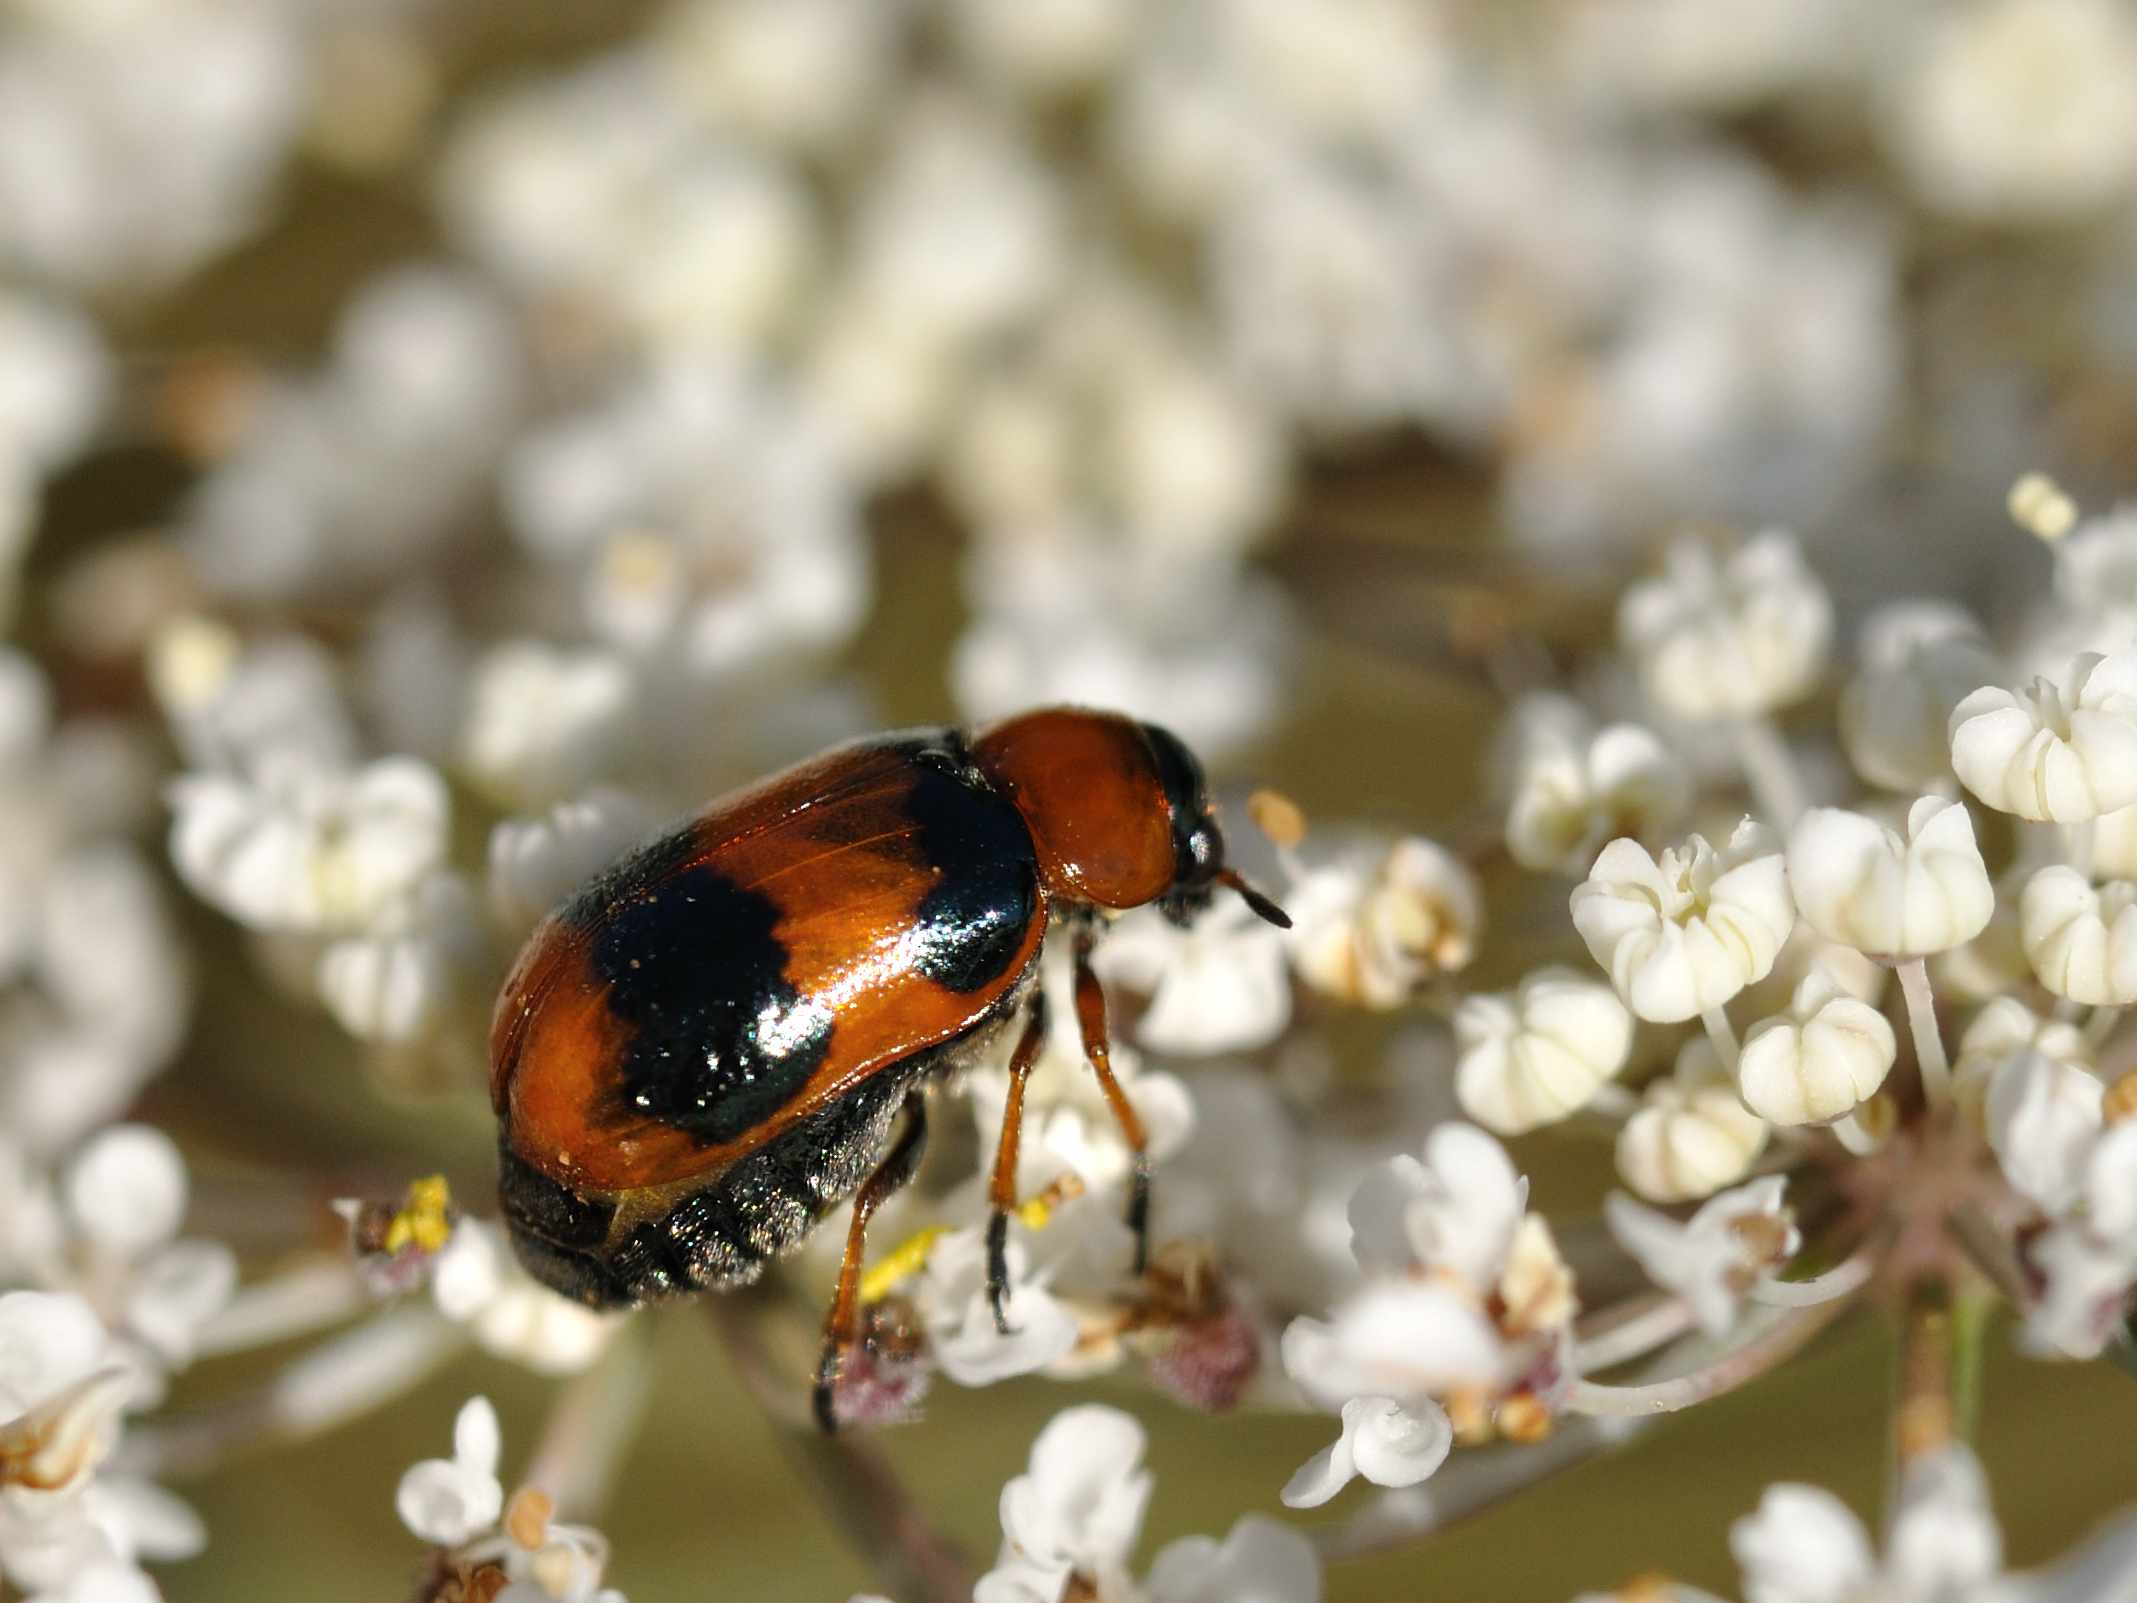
(1002, 1184)
(1091, 1015)
(844, 1322)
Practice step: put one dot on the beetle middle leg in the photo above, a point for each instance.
(844, 1323)
(1002, 1183)
(1097, 1047)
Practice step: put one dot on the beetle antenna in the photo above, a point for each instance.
(1261, 904)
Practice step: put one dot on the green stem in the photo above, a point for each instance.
(1970, 1329)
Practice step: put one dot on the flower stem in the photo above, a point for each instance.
(1619, 1335)
(296, 1302)
(595, 1418)
(1924, 1417)
(1722, 1034)
(1770, 770)
(1774, 1342)
(1844, 1279)
(339, 1380)
(1928, 1040)
(863, 1496)
(2101, 1025)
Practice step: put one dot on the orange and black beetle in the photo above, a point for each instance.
(704, 1049)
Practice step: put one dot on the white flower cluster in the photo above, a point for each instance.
(1070, 1524)
(119, 1305)
(459, 1505)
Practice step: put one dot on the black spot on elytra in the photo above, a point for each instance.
(970, 925)
(693, 965)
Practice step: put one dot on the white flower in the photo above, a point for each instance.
(1541, 1053)
(1692, 1134)
(2061, 752)
(1388, 1444)
(2085, 1295)
(448, 1501)
(2020, 110)
(477, 1283)
(1575, 787)
(1259, 1562)
(1072, 1519)
(392, 983)
(1803, 1546)
(545, 723)
(1868, 887)
(1731, 639)
(1070, 614)
(299, 848)
(1822, 1058)
(951, 1296)
(536, 862)
(1714, 1259)
(1456, 1212)
(1686, 932)
(2088, 1259)
(2043, 1117)
(103, 1581)
(238, 706)
(1371, 932)
(1220, 985)
(126, 1190)
(1920, 659)
(55, 380)
(60, 1394)
(1046, 48)
(800, 74)
(1077, 1510)
(713, 515)
(2081, 941)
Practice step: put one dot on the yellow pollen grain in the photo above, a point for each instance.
(424, 1220)
(2038, 505)
(906, 1258)
(2120, 1101)
(527, 1517)
(1278, 817)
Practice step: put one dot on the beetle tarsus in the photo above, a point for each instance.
(1139, 1210)
(826, 1394)
(998, 1271)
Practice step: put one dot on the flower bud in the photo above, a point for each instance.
(1531, 1058)
(1817, 1061)
(1686, 932)
(1864, 885)
(2082, 942)
(1692, 1135)
(2057, 752)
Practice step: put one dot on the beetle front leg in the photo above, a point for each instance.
(1002, 1183)
(1097, 1047)
(844, 1322)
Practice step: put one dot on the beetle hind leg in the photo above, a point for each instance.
(1002, 1182)
(1097, 1048)
(842, 1326)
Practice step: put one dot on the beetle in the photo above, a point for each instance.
(706, 1048)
